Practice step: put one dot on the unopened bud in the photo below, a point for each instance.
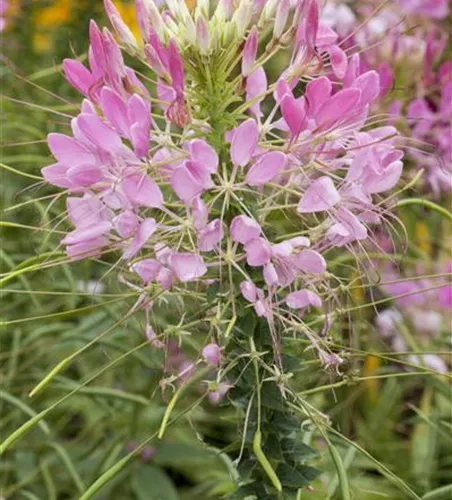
(282, 14)
(123, 31)
(202, 35)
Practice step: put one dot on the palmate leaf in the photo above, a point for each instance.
(296, 476)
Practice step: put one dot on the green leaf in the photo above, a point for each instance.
(151, 483)
(296, 476)
(443, 493)
(297, 451)
(271, 396)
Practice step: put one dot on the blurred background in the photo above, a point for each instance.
(390, 399)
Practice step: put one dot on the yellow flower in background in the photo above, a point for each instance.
(422, 237)
(127, 11)
(46, 19)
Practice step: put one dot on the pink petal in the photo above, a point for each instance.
(147, 269)
(78, 76)
(212, 354)
(316, 92)
(86, 233)
(303, 299)
(256, 86)
(369, 84)
(210, 236)
(142, 190)
(310, 261)
(249, 52)
(87, 248)
(244, 142)
(204, 154)
(68, 151)
(266, 168)
(321, 195)
(145, 230)
(337, 108)
(249, 290)
(338, 60)
(126, 224)
(115, 110)
(84, 175)
(99, 133)
(187, 266)
(56, 175)
(294, 113)
(270, 275)
(244, 229)
(258, 252)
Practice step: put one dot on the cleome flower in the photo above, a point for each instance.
(208, 169)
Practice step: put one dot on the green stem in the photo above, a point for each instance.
(425, 203)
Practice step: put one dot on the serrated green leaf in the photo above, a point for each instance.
(296, 476)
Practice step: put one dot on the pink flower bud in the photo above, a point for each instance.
(244, 229)
(248, 290)
(202, 35)
(212, 354)
(121, 28)
(282, 13)
(303, 299)
(249, 53)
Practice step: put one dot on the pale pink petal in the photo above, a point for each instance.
(126, 223)
(204, 154)
(294, 113)
(210, 236)
(249, 290)
(147, 269)
(187, 266)
(258, 252)
(145, 230)
(310, 261)
(142, 190)
(303, 299)
(84, 175)
(244, 142)
(267, 167)
(244, 229)
(321, 195)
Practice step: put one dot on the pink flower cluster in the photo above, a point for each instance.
(187, 194)
(413, 71)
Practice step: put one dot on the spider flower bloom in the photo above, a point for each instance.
(190, 179)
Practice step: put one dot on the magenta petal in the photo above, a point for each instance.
(303, 299)
(244, 229)
(84, 175)
(139, 137)
(115, 110)
(204, 154)
(338, 60)
(69, 151)
(78, 76)
(249, 52)
(369, 85)
(244, 142)
(321, 195)
(256, 86)
(310, 261)
(200, 213)
(266, 168)
(338, 107)
(316, 92)
(99, 133)
(258, 252)
(187, 266)
(147, 269)
(56, 175)
(142, 190)
(294, 113)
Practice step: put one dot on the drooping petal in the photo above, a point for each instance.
(68, 151)
(338, 60)
(126, 223)
(321, 195)
(145, 230)
(310, 261)
(249, 290)
(84, 175)
(337, 107)
(78, 76)
(210, 236)
(147, 269)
